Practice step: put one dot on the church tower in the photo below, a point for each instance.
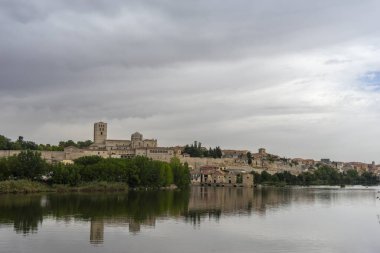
(100, 133)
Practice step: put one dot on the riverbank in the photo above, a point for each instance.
(27, 186)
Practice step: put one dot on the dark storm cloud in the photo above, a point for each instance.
(175, 68)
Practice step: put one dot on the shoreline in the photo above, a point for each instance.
(27, 186)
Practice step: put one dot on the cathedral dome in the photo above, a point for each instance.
(136, 137)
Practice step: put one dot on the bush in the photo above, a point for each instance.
(136, 172)
(324, 175)
(21, 186)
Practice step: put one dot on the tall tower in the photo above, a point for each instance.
(100, 133)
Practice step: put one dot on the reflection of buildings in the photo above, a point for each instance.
(216, 201)
(98, 225)
(97, 232)
(225, 199)
(140, 209)
(135, 226)
(211, 202)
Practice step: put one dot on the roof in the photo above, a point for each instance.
(218, 173)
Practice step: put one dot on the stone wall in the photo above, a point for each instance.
(49, 156)
(197, 162)
(118, 144)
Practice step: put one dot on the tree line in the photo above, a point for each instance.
(136, 172)
(21, 144)
(323, 175)
(196, 150)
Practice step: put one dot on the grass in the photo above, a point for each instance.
(27, 186)
(23, 186)
(93, 187)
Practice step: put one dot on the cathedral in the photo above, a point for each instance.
(136, 146)
(102, 143)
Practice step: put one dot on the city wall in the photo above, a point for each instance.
(197, 162)
(49, 156)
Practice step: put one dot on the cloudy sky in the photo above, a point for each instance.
(301, 78)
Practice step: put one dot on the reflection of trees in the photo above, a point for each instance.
(214, 201)
(137, 205)
(142, 207)
(138, 208)
(25, 212)
(195, 216)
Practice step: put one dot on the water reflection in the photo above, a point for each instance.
(141, 209)
(24, 212)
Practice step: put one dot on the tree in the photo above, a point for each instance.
(218, 152)
(88, 160)
(181, 173)
(84, 144)
(249, 156)
(196, 150)
(28, 165)
(68, 143)
(256, 177)
(265, 176)
(66, 174)
(5, 173)
(5, 143)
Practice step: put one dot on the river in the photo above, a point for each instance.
(203, 219)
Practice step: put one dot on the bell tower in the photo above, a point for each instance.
(100, 133)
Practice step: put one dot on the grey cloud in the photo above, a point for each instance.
(53, 46)
(337, 61)
(181, 70)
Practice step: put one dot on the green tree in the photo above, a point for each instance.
(249, 157)
(5, 143)
(88, 160)
(84, 144)
(27, 165)
(181, 173)
(5, 172)
(265, 176)
(256, 177)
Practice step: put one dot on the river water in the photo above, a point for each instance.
(293, 219)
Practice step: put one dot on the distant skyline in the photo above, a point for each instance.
(300, 78)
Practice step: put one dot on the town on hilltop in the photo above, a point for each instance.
(223, 167)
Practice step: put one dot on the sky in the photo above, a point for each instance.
(300, 78)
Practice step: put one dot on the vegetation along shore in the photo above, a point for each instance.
(28, 172)
(323, 175)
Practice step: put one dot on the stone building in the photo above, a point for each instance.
(247, 180)
(100, 133)
(231, 153)
(102, 143)
(214, 175)
(136, 146)
(103, 147)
